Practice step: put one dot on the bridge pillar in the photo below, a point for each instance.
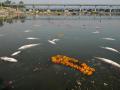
(110, 9)
(64, 8)
(80, 10)
(95, 9)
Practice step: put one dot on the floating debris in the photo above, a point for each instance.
(96, 32)
(111, 39)
(108, 61)
(16, 53)
(31, 38)
(53, 41)
(5, 58)
(28, 46)
(110, 49)
(73, 63)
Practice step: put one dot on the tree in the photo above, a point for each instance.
(7, 2)
(21, 3)
(13, 3)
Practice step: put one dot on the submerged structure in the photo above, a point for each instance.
(73, 63)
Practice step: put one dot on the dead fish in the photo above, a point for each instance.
(96, 32)
(16, 53)
(108, 61)
(31, 38)
(53, 41)
(28, 46)
(5, 58)
(108, 39)
(110, 49)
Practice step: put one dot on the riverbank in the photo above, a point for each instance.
(8, 12)
(69, 13)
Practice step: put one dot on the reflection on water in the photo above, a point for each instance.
(12, 20)
(79, 37)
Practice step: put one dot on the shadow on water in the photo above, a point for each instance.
(22, 19)
(11, 20)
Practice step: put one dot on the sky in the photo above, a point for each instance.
(71, 1)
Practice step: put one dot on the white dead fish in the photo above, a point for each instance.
(31, 38)
(108, 61)
(8, 59)
(108, 39)
(96, 32)
(110, 49)
(53, 41)
(16, 53)
(28, 46)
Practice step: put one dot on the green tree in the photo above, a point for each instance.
(7, 2)
(21, 4)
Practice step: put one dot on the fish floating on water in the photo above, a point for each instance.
(5, 58)
(108, 61)
(96, 32)
(28, 46)
(31, 38)
(110, 49)
(16, 53)
(53, 41)
(108, 39)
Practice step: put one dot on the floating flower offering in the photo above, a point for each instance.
(73, 63)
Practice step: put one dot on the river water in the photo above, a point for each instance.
(81, 37)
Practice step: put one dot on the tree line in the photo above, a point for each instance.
(8, 3)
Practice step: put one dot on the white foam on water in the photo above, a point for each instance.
(16, 53)
(5, 58)
(28, 46)
(108, 61)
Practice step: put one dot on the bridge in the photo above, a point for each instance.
(80, 7)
